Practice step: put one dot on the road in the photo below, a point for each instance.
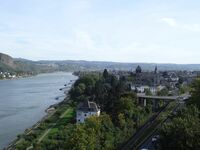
(148, 143)
(131, 142)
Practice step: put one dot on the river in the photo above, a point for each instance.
(23, 102)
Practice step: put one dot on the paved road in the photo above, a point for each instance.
(148, 143)
(137, 135)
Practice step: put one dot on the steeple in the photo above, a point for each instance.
(156, 69)
(156, 77)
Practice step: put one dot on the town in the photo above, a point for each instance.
(15, 75)
(165, 83)
(7, 75)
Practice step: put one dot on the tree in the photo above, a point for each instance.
(183, 132)
(23, 145)
(148, 92)
(195, 92)
(84, 87)
(184, 89)
(105, 74)
(127, 107)
(163, 92)
(78, 90)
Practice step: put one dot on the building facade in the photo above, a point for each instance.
(85, 110)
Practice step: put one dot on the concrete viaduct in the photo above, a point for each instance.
(142, 99)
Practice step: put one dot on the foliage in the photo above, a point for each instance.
(121, 115)
(163, 92)
(148, 92)
(184, 89)
(105, 74)
(183, 132)
(195, 92)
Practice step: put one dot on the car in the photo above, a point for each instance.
(155, 138)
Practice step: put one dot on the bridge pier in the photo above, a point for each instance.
(155, 105)
(142, 99)
(142, 102)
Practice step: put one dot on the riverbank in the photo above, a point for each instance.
(50, 113)
(24, 101)
(64, 110)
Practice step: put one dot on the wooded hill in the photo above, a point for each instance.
(7, 63)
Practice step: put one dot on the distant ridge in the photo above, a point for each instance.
(100, 65)
(7, 63)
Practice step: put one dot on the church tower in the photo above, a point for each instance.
(156, 77)
(156, 69)
(138, 70)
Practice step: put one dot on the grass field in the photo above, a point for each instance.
(64, 118)
(63, 115)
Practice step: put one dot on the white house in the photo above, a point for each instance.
(142, 88)
(85, 110)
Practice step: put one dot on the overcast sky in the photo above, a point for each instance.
(162, 31)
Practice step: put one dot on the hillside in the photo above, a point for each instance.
(7, 60)
(7, 63)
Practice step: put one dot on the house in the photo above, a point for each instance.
(152, 89)
(142, 88)
(85, 110)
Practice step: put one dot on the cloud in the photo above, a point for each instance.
(170, 21)
(192, 27)
(84, 39)
(175, 24)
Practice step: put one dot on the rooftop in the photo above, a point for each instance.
(88, 106)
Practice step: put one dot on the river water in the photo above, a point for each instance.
(23, 102)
